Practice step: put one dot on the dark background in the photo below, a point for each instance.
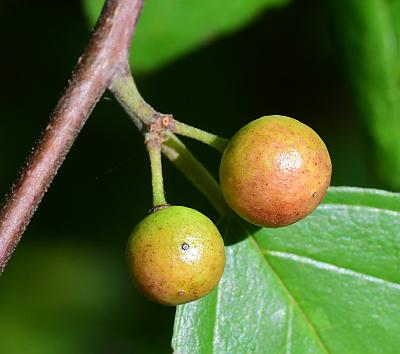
(66, 289)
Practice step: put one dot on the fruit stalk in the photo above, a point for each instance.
(125, 91)
(196, 173)
(156, 175)
(207, 138)
(127, 94)
(143, 115)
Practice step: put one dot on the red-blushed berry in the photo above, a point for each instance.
(275, 171)
(175, 255)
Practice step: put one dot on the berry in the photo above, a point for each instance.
(275, 171)
(176, 255)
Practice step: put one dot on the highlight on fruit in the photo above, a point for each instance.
(175, 255)
(275, 171)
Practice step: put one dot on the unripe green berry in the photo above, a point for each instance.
(275, 171)
(175, 255)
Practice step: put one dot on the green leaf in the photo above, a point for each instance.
(168, 29)
(369, 38)
(328, 284)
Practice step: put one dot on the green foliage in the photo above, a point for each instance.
(328, 284)
(171, 28)
(368, 37)
(58, 298)
(58, 295)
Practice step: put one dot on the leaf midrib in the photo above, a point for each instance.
(289, 294)
(264, 255)
(289, 331)
(217, 299)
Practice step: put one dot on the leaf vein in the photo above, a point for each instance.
(357, 207)
(289, 294)
(217, 300)
(289, 330)
(333, 268)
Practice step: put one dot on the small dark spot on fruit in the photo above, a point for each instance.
(181, 293)
(314, 194)
(185, 246)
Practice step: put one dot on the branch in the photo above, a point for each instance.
(105, 56)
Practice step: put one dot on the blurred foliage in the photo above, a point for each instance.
(369, 42)
(67, 299)
(66, 288)
(170, 28)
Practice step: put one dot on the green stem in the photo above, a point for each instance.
(125, 90)
(196, 173)
(212, 140)
(142, 114)
(156, 175)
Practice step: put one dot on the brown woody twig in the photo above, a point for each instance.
(105, 57)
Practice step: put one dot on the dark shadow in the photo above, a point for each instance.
(235, 229)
